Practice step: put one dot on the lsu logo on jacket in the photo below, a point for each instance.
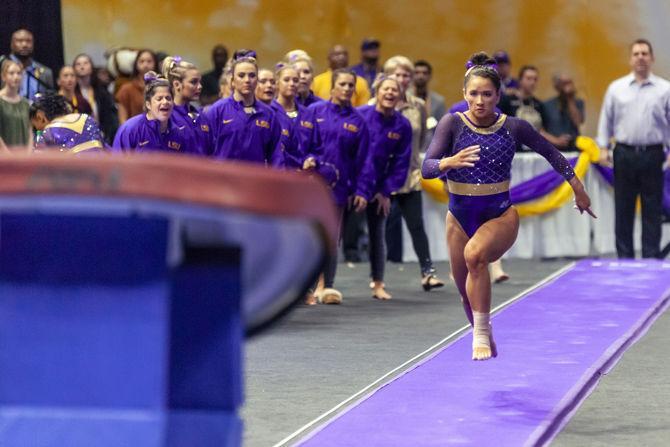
(350, 127)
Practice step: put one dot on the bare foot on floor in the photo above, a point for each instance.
(481, 352)
(310, 299)
(379, 292)
(483, 345)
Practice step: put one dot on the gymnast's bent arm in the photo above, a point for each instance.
(437, 161)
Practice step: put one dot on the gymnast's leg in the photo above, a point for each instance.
(456, 242)
(491, 240)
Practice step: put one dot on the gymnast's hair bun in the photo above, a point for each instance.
(480, 58)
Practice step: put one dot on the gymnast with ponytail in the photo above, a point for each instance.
(304, 65)
(185, 81)
(288, 111)
(474, 150)
(241, 127)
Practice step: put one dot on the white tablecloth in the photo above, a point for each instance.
(560, 233)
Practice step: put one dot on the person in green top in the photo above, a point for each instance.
(3, 148)
(15, 128)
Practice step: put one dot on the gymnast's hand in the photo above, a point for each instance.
(465, 158)
(309, 164)
(360, 203)
(582, 199)
(383, 204)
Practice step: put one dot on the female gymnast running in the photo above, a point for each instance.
(475, 150)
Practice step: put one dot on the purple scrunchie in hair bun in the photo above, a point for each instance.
(150, 76)
(177, 60)
(251, 54)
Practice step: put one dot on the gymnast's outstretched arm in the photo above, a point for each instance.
(524, 133)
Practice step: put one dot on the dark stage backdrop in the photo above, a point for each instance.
(43, 18)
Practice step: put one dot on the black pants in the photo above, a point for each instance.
(638, 172)
(376, 224)
(394, 233)
(411, 208)
(352, 233)
(331, 263)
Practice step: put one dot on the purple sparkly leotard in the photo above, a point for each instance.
(481, 193)
(74, 133)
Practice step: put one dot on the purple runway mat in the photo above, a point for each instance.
(554, 343)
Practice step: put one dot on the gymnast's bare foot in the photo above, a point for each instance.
(481, 352)
(482, 338)
(310, 298)
(379, 292)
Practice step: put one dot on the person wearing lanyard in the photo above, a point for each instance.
(636, 114)
(38, 78)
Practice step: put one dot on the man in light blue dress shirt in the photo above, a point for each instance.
(636, 115)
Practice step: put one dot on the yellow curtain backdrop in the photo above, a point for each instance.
(586, 38)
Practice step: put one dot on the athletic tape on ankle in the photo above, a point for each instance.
(482, 329)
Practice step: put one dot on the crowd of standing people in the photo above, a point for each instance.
(364, 130)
